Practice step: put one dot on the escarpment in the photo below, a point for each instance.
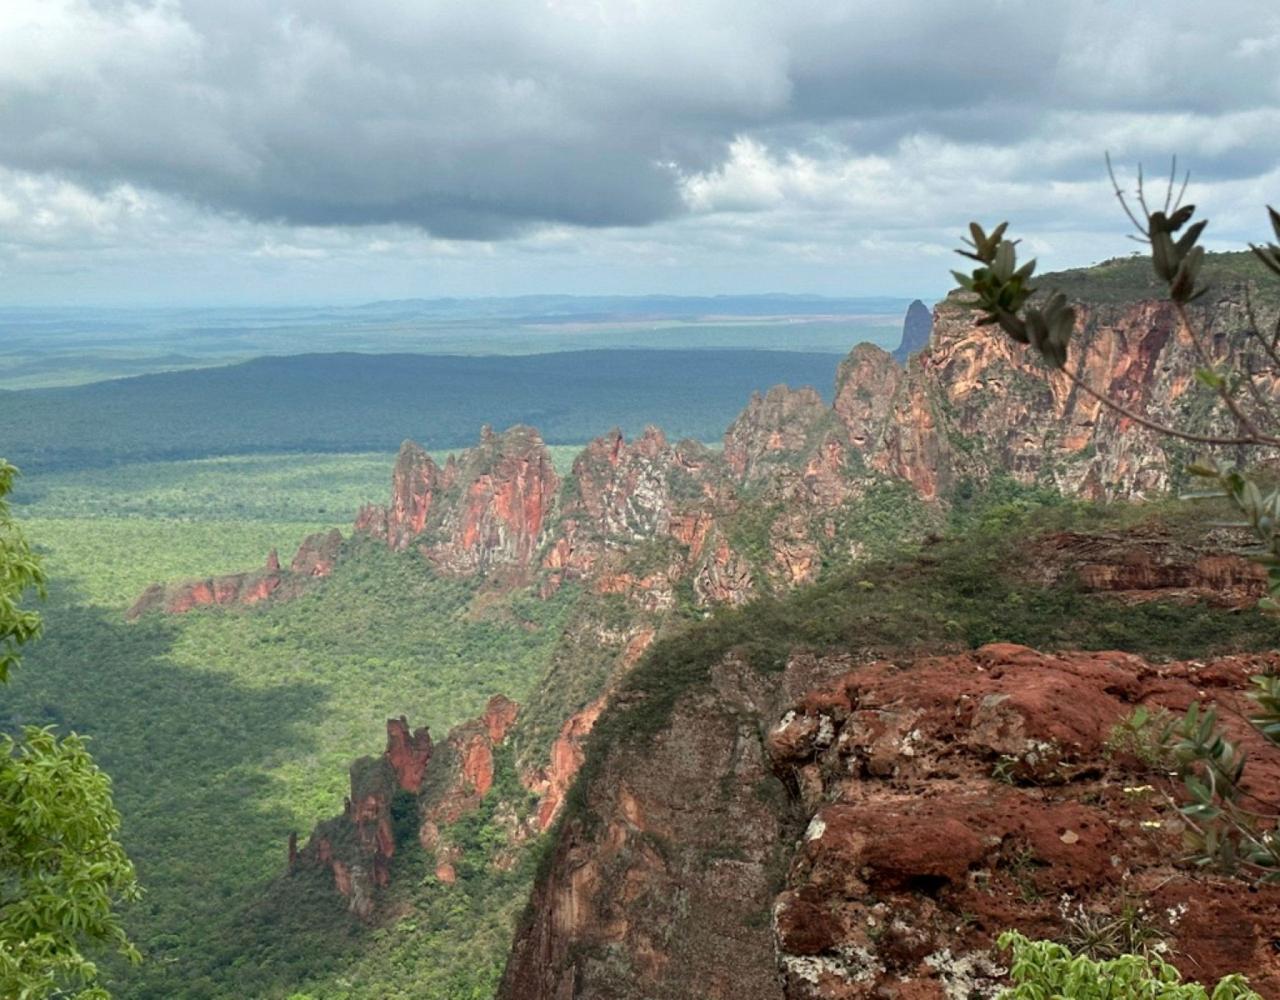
(648, 517)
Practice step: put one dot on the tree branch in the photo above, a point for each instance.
(1227, 398)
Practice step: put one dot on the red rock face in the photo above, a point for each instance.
(910, 830)
(415, 481)
(408, 753)
(724, 577)
(914, 851)
(499, 716)
(771, 429)
(866, 384)
(1149, 564)
(235, 588)
(508, 489)
(357, 847)
(973, 403)
(315, 558)
(553, 782)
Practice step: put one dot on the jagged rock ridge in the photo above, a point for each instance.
(315, 559)
(402, 800)
(970, 406)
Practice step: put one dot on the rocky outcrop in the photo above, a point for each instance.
(552, 782)
(504, 492)
(619, 495)
(775, 430)
(415, 480)
(643, 518)
(464, 776)
(974, 404)
(408, 753)
(488, 509)
(315, 558)
(406, 799)
(916, 327)
(832, 834)
(1149, 563)
(973, 793)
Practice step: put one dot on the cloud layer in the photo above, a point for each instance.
(308, 128)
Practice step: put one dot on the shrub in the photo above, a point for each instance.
(1045, 970)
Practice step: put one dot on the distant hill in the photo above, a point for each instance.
(354, 402)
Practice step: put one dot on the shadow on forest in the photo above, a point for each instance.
(187, 750)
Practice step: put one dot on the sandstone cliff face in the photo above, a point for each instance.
(975, 404)
(833, 834)
(507, 490)
(644, 518)
(415, 480)
(665, 890)
(775, 427)
(488, 509)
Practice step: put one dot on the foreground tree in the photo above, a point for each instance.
(62, 869)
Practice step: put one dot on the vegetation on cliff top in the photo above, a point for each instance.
(959, 592)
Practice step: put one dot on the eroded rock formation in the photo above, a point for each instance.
(919, 849)
(643, 518)
(406, 799)
(916, 327)
(316, 557)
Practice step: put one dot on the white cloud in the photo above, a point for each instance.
(399, 146)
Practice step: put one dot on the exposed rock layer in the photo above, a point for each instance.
(685, 877)
(315, 558)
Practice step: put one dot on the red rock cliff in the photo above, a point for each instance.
(826, 834)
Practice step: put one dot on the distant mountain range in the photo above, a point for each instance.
(43, 348)
(371, 402)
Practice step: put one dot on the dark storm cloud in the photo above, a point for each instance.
(484, 120)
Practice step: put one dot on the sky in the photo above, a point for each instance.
(204, 152)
